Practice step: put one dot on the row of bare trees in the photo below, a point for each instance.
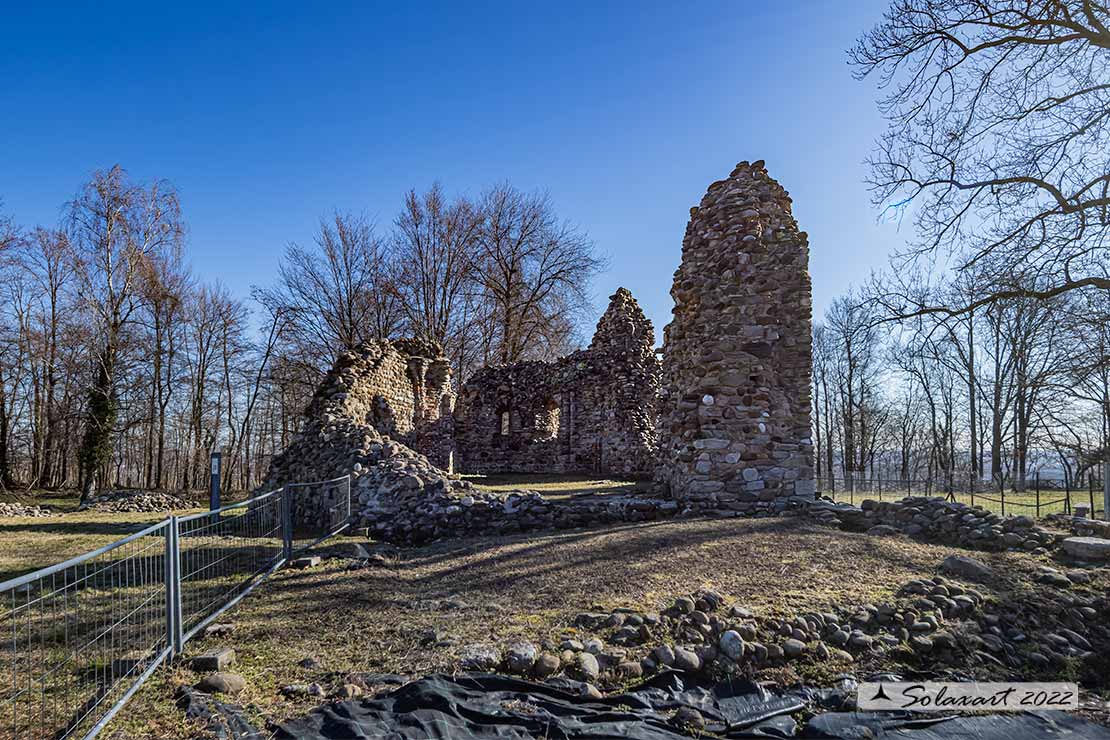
(492, 280)
(984, 351)
(119, 367)
(998, 394)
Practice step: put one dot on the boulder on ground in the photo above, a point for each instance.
(1087, 548)
(965, 567)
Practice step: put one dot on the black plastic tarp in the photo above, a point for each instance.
(471, 707)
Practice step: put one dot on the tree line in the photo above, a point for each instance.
(119, 367)
(983, 351)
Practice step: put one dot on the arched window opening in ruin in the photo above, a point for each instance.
(504, 423)
(547, 421)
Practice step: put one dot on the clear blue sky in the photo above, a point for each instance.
(267, 116)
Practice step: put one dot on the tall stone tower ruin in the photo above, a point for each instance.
(737, 356)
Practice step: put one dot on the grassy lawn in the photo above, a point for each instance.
(27, 544)
(499, 589)
(557, 486)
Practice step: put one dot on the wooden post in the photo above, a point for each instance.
(1037, 483)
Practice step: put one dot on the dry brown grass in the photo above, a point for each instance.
(531, 587)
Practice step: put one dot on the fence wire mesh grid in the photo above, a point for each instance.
(317, 511)
(223, 552)
(79, 638)
(1036, 498)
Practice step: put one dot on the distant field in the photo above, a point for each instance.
(27, 544)
(555, 486)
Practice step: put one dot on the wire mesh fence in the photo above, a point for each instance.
(78, 639)
(1036, 498)
(317, 511)
(223, 553)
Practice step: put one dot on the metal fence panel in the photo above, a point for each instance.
(223, 554)
(78, 638)
(317, 511)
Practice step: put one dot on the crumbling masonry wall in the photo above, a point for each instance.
(402, 388)
(737, 355)
(594, 411)
(376, 404)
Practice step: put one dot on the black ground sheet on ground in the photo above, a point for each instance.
(484, 706)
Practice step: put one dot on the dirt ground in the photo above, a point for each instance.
(377, 618)
(499, 589)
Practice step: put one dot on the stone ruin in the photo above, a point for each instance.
(737, 357)
(594, 411)
(372, 407)
(723, 421)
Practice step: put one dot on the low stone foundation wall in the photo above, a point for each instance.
(467, 512)
(940, 520)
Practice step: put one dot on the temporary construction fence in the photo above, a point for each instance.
(77, 639)
(1037, 500)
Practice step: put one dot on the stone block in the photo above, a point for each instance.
(219, 659)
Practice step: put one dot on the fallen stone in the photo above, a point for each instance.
(222, 683)
(1087, 548)
(217, 660)
(309, 561)
(963, 566)
(546, 665)
(479, 657)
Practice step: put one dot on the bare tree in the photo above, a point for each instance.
(533, 271)
(435, 246)
(999, 113)
(114, 225)
(337, 294)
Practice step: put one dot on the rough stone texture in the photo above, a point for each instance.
(737, 355)
(383, 388)
(8, 509)
(402, 388)
(136, 501)
(1087, 548)
(593, 411)
(937, 519)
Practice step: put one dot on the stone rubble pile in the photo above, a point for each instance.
(939, 520)
(12, 509)
(419, 515)
(136, 502)
(932, 622)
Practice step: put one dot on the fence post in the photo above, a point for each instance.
(880, 485)
(168, 575)
(214, 481)
(1091, 491)
(286, 522)
(1037, 483)
(1105, 492)
(174, 628)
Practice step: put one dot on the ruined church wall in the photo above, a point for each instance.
(590, 412)
(737, 354)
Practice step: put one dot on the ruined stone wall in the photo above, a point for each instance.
(593, 411)
(737, 354)
(385, 400)
(402, 388)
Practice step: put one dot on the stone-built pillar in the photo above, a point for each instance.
(737, 356)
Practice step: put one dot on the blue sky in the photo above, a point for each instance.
(267, 116)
